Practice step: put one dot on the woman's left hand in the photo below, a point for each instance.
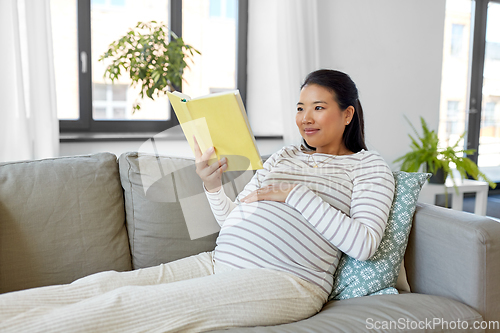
(276, 192)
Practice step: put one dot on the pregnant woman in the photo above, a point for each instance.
(278, 248)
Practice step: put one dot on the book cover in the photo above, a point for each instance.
(218, 120)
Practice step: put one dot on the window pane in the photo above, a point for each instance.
(119, 92)
(215, 37)
(112, 19)
(231, 9)
(64, 39)
(110, 101)
(99, 92)
(453, 117)
(457, 38)
(489, 140)
(455, 72)
(215, 8)
(118, 113)
(99, 113)
(117, 2)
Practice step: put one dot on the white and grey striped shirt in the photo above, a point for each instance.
(341, 203)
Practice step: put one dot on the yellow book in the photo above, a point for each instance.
(218, 120)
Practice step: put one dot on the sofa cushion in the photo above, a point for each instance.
(383, 313)
(355, 278)
(168, 214)
(60, 219)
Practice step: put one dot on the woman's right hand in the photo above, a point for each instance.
(211, 175)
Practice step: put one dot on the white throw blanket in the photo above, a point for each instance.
(184, 295)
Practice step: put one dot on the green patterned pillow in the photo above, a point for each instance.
(378, 275)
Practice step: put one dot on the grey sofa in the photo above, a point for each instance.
(65, 218)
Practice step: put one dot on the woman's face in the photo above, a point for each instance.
(320, 120)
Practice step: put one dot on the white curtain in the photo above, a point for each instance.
(29, 127)
(283, 48)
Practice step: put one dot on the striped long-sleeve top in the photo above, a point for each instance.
(340, 203)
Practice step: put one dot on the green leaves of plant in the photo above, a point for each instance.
(425, 150)
(153, 56)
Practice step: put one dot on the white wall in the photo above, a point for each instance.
(393, 51)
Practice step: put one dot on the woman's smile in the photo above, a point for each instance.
(311, 131)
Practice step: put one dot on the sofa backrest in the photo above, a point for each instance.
(167, 212)
(60, 219)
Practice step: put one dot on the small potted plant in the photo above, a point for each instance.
(425, 151)
(153, 55)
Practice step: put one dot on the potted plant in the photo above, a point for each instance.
(425, 151)
(153, 55)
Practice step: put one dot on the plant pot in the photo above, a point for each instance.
(438, 177)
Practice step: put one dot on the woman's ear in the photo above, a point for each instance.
(348, 114)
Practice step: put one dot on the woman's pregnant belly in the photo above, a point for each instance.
(269, 234)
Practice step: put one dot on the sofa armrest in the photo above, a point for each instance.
(457, 255)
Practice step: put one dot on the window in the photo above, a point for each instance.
(453, 114)
(457, 39)
(110, 101)
(215, 8)
(493, 50)
(223, 9)
(82, 31)
(455, 71)
(215, 69)
(470, 87)
(108, 3)
(489, 115)
(485, 90)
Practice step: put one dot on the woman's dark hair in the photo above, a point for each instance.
(345, 93)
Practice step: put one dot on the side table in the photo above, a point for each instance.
(429, 192)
